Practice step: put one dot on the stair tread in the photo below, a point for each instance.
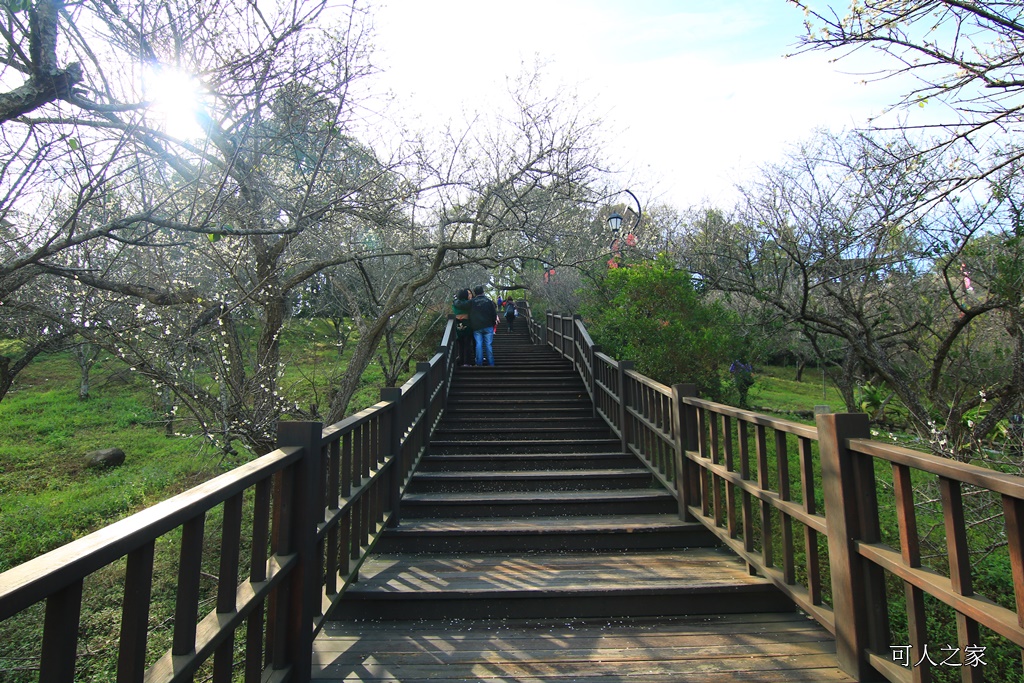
(623, 523)
(568, 497)
(528, 456)
(525, 428)
(427, 575)
(536, 474)
(463, 442)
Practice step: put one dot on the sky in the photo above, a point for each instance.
(695, 94)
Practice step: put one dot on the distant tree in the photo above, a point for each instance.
(965, 55)
(497, 191)
(197, 248)
(922, 302)
(96, 190)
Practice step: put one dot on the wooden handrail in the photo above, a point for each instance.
(317, 506)
(741, 474)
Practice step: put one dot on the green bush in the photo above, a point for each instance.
(652, 313)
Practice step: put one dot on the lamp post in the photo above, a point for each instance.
(615, 223)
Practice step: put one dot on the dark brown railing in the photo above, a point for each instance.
(801, 505)
(294, 527)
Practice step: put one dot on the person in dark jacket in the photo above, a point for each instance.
(463, 332)
(483, 317)
(510, 313)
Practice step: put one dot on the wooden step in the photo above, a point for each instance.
(508, 431)
(435, 462)
(450, 446)
(537, 503)
(501, 405)
(580, 417)
(773, 647)
(487, 394)
(594, 533)
(546, 585)
(530, 480)
(580, 409)
(519, 382)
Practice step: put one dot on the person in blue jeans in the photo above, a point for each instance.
(483, 317)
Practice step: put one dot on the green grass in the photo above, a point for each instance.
(776, 392)
(49, 497)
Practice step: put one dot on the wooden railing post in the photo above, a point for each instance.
(422, 434)
(594, 350)
(851, 514)
(685, 426)
(544, 328)
(623, 399)
(60, 634)
(576, 322)
(300, 517)
(393, 428)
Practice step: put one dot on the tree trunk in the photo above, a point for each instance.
(801, 364)
(361, 357)
(86, 355)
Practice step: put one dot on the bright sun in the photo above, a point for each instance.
(176, 98)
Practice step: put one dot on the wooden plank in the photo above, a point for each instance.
(976, 607)
(968, 632)
(520, 525)
(186, 609)
(740, 623)
(761, 647)
(761, 451)
(617, 646)
(813, 558)
(785, 521)
(910, 547)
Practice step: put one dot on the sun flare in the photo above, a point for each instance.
(175, 97)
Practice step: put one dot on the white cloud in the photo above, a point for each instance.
(696, 96)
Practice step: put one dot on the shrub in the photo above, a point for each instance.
(652, 313)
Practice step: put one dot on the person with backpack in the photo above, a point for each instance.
(483, 318)
(510, 313)
(463, 333)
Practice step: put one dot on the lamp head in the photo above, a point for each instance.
(615, 222)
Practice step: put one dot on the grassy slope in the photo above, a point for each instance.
(776, 392)
(49, 497)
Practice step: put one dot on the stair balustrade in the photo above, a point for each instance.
(800, 505)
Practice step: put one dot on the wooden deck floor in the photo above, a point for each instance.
(769, 648)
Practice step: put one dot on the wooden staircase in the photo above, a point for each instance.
(526, 520)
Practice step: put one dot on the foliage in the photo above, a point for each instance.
(185, 253)
(964, 58)
(922, 304)
(651, 313)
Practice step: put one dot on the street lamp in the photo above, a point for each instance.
(615, 223)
